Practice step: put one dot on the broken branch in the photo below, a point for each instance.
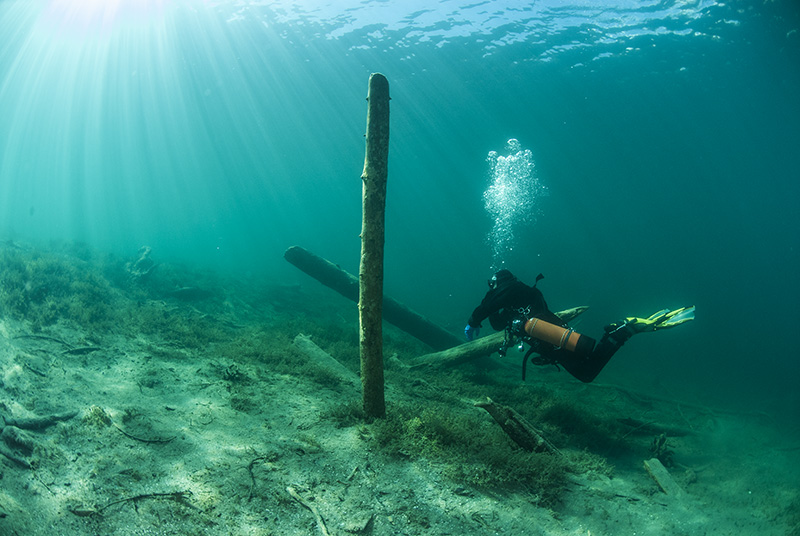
(317, 516)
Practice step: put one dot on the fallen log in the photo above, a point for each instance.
(394, 312)
(325, 361)
(460, 354)
(518, 429)
(478, 348)
(39, 423)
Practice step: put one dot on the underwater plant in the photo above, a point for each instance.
(44, 288)
(468, 449)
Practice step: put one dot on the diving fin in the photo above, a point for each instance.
(676, 318)
(663, 319)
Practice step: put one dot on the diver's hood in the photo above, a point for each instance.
(501, 278)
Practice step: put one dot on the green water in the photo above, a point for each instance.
(665, 134)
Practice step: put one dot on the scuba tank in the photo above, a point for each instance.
(560, 337)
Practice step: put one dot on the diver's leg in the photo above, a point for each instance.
(587, 367)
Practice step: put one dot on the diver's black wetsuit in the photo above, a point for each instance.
(514, 299)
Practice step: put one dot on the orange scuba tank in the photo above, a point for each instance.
(559, 337)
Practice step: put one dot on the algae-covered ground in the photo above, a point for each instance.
(147, 398)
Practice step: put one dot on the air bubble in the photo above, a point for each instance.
(511, 198)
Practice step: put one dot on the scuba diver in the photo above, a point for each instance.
(522, 312)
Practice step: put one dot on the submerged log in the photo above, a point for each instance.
(462, 353)
(394, 312)
(518, 429)
(39, 423)
(480, 347)
(325, 361)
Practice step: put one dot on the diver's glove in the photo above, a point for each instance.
(471, 333)
(664, 319)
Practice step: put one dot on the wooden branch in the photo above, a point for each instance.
(252, 476)
(44, 338)
(177, 496)
(394, 312)
(81, 351)
(317, 516)
(518, 428)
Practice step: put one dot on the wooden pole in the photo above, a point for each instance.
(370, 301)
(394, 312)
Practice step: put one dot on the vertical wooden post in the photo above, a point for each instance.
(370, 299)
